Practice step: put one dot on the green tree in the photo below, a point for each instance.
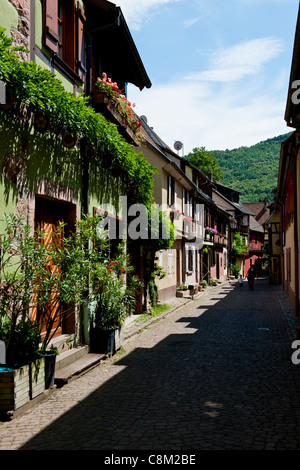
(239, 246)
(206, 162)
(253, 170)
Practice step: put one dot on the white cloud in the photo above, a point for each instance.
(136, 12)
(212, 109)
(233, 63)
(201, 114)
(191, 22)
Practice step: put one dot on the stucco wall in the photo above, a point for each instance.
(289, 268)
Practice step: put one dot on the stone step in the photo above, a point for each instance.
(70, 355)
(71, 361)
(66, 374)
(62, 342)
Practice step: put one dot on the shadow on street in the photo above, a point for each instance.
(225, 382)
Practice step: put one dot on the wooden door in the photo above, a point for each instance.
(218, 266)
(48, 213)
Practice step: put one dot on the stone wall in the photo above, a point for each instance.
(21, 36)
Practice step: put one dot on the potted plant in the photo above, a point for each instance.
(108, 91)
(181, 290)
(30, 292)
(22, 375)
(112, 291)
(68, 285)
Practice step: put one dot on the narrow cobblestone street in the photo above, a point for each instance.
(215, 374)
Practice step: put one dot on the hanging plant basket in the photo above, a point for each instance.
(90, 152)
(69, 139)
(41, 122)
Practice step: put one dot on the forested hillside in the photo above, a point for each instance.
(252, 170)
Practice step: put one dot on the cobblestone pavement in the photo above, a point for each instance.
(215, 374)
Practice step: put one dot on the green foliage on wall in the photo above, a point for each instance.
(37, 90)
(239, 246)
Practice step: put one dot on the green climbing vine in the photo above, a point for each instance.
(37, 90)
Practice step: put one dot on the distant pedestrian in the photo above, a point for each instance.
(251, 275)
(241, 282)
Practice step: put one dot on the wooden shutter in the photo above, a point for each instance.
(51, 38)
(69, 34)
(80, 46)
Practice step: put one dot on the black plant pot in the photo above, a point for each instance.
(103, 341)
(50, 362)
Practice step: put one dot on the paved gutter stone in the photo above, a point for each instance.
(214, 374)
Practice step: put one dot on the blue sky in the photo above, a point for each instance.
(219, 68)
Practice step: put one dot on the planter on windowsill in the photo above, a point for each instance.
(100, 97)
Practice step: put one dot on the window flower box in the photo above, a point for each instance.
(108, 93)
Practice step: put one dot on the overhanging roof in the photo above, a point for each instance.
(108, 28)
(294, 74)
